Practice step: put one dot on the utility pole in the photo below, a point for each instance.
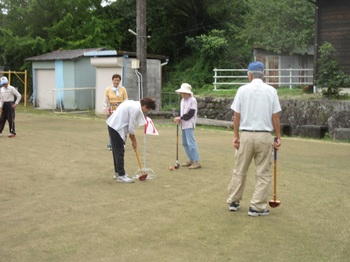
(141, 39)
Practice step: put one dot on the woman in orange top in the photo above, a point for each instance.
(114, 96)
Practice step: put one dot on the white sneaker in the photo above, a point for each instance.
(125, 179)
(115, 176)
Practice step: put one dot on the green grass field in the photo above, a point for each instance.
(59, 202)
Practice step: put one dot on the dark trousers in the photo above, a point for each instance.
(8, 113)
(118, 151)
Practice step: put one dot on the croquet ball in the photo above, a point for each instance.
(171, 168)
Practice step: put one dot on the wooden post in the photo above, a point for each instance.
(215, 75)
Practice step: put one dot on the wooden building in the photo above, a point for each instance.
(333, 26)
(287, 69)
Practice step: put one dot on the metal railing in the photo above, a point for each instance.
(278, 77)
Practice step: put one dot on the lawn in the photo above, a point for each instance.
(59, 202)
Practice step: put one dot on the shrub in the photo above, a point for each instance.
(330, 77)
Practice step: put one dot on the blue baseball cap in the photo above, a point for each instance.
(256, 66)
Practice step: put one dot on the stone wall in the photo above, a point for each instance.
(333, 114)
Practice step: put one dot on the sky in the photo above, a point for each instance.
(107, 2)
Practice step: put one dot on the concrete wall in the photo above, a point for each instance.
(153, 80)
(105, 68)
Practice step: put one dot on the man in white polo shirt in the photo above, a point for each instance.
(256, 114)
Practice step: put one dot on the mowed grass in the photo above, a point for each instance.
(59, 202)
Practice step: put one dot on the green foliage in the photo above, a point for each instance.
(196, 35)
(330, 77)
(280, 26)
(221, 47)
(15, 48)
(213, 50)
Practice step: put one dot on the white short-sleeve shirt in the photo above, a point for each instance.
(256, 102)
(127, 118)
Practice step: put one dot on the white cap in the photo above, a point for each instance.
(4, 80)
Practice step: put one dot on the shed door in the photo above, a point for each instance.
(45, 84)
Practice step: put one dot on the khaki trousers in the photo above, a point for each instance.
(257, 146)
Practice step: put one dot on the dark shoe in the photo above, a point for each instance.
(234, 206)
(254, 213)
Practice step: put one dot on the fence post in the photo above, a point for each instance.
(290, 77)
(215, 75)
(25, 88)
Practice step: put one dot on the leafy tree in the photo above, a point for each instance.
(281, 26)
(116, 19)
(210, 48)
(29, 28)
(196, 35)
(330, 77)
(47, 25)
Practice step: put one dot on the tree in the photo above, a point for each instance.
(330, 77)
(196, 35)
(281, 26)
(48, 25)
(214, 42)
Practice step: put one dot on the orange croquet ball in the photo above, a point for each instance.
(171, 168)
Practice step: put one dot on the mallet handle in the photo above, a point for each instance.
(275, 171)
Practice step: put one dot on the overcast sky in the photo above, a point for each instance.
(107, 2)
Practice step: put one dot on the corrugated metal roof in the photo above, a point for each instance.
(63, 54)
(74, 54)
(101, 53)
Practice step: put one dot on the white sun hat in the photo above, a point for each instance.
(185, 88)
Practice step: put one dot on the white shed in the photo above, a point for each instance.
(76, 79)
(110, 62)
(64, 79)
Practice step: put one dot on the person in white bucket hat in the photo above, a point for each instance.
(187, 119)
